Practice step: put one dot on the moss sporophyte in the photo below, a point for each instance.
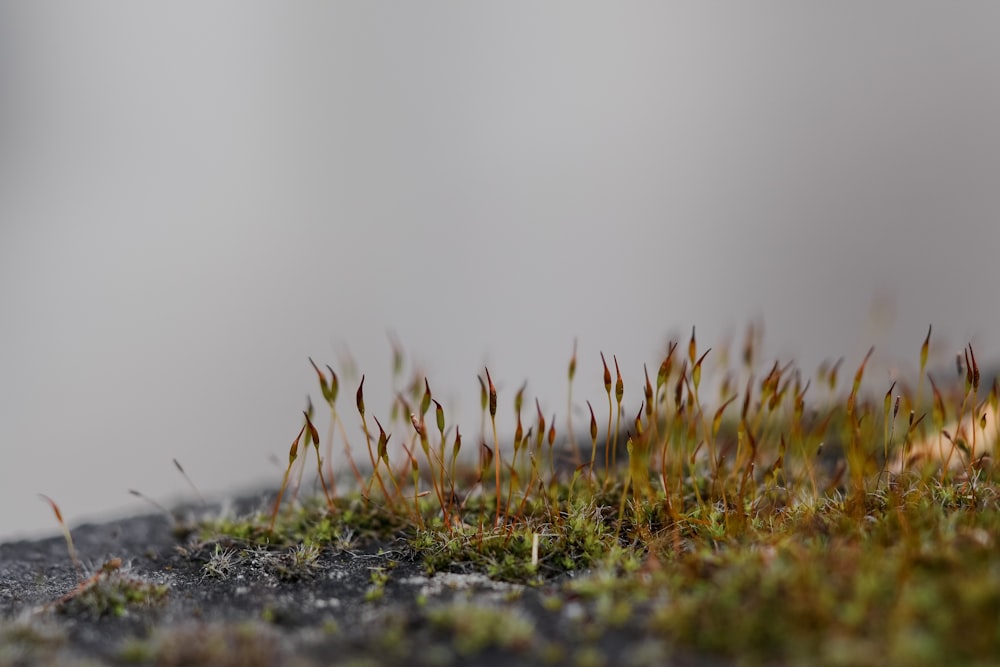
(743, 510)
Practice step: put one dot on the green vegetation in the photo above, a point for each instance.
(761, 517)
(26, 637)
(220, 644)
(110, 591)
(292, 564)
(476, 628)
(743, 521)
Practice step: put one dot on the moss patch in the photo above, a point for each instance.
(743, 514)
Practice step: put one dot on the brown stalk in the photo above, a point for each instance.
(496, 442)
(293, 454)
(69, 538)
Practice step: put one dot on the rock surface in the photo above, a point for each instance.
(368, 604)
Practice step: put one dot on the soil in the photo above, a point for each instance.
(337, 615)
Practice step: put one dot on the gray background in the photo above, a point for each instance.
(194, 198)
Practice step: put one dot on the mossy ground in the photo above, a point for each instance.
(752, 526)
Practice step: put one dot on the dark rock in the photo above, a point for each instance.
(252, 615)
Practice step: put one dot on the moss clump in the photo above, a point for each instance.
(112, 591)
(745, 520)
(476, 628)
(291, 564)
(30, 641)
(217, 644)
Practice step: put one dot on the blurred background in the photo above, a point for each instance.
(197, 197)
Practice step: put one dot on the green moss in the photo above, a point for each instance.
(286, 564)
(221, 644)
(111, 592)
(473, 628)
(30, 641)
(378, 578)
(756, 524)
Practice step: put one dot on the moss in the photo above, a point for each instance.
(112, 591)
(289, 564)
(30, 641)
(378, 578)
(475, 628)
(218, 644)
(754, 523)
